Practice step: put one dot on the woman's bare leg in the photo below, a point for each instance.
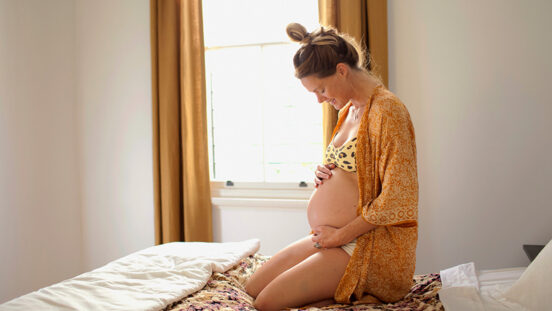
(312, 280)
(279, 263)
(320, 304)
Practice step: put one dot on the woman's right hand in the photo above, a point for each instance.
(322, 172)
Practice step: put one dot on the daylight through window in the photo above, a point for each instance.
(263, 125)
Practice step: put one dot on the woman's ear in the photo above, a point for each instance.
(342, 69)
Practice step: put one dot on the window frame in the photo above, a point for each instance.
(299, 190)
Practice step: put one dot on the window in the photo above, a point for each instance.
(263, 125)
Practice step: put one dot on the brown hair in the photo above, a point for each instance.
(322, 50)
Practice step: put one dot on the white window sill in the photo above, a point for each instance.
(261, 192)
(260, 203)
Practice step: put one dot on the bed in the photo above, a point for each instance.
(211, 276)
(464, 287)
(225, 291)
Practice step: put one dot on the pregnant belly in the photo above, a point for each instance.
(334, 202)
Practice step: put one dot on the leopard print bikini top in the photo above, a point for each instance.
(344, 156)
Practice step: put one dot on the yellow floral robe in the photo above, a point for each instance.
(382, 265)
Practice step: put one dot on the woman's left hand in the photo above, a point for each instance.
(327, 237)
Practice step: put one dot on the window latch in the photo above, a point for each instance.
(302, 184)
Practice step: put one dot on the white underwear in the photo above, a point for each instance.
(349, 247)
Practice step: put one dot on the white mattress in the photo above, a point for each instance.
(467, 289)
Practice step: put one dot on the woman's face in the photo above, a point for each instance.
(329, 89)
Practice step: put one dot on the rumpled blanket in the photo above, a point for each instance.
(149, 279)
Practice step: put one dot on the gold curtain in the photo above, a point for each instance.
(180, 152)
(366, 21)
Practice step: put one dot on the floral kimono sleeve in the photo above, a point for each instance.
(396, 202)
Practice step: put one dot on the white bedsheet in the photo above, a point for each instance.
(149, 279)
(466, 289)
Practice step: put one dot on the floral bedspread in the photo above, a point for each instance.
(225, 291)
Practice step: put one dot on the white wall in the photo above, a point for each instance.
(114, 125)
(276, 223)
(475, 76)
(75, 138)
(40, 217)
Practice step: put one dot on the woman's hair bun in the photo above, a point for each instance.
(297, 32)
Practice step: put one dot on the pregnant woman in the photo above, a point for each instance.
(363, 212)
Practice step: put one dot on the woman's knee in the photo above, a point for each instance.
(265, 303)
(252, 288)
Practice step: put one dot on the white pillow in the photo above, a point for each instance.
(533, 290)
